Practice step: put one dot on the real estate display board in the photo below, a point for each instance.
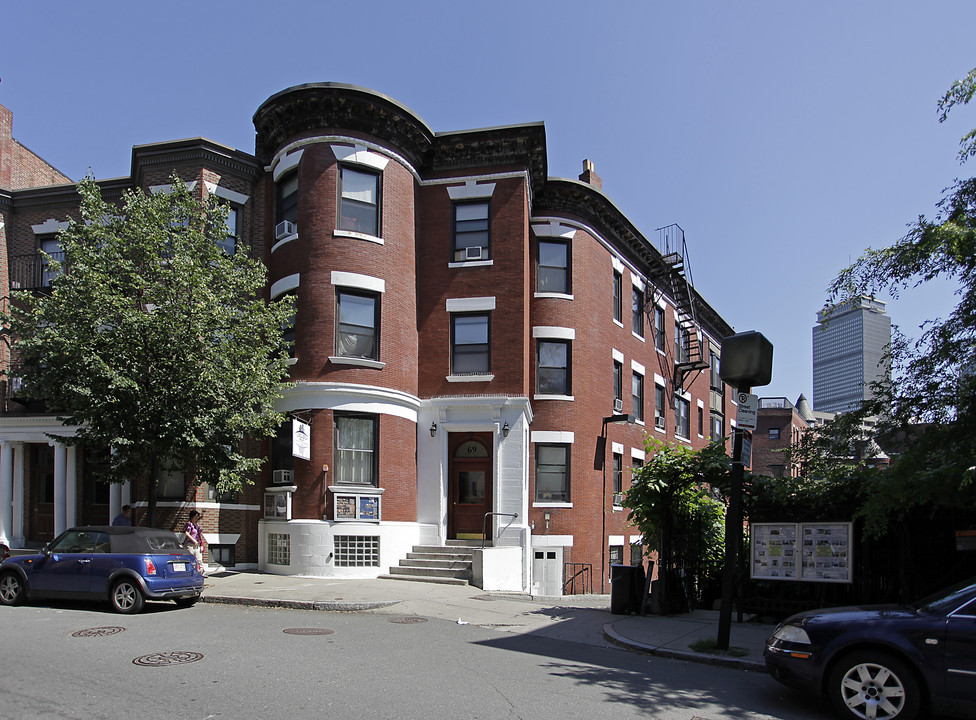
(812, 552)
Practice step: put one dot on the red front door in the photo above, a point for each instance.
(470, 486)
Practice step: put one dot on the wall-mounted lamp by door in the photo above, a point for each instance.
(433, 429)
(505, 429)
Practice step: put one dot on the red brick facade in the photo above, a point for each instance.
(425, 410)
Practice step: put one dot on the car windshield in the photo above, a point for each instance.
(949, 599)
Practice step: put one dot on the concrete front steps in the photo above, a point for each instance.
(445, 564)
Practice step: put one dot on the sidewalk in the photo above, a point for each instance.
(575, 618)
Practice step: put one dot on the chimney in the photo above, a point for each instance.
(590, 177)
(6, 147)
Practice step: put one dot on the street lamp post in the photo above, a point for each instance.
(746, 361)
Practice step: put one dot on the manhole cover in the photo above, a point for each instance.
(97, 632)
(308, 631)
(408, 620)
(180, 657)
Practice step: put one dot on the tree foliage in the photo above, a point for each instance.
(672, 501)
(154, 341)
(927, 410)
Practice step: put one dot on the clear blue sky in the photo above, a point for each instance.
(785, 137)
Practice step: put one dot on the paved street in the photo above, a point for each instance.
(224, 661)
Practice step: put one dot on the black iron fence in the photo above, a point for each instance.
(33, 271)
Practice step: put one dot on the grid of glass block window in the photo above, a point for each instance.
(357, 551)
(279, 549)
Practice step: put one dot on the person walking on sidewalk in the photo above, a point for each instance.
(194, 536)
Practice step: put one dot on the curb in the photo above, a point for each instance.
(323, 605)
(704, 658)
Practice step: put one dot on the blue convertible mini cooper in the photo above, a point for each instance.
(124, 565)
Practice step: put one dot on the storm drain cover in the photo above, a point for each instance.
(180, 657)
(308, 631)
(98, 632)
(408, 620)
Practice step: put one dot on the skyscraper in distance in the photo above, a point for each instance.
(849, 343)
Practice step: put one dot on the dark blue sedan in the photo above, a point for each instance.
(124, 565)
(884, 662)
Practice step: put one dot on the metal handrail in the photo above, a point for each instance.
(585, 572)
(484, 524)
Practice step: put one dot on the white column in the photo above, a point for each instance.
(60, 501)
(114, 501)
(17, 528)
(71, 486)
(6, 491)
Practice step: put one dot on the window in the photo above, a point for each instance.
(552, 473)
(618, 473)
(355, 449)
(357, 324)
(472, 231)
(229, 243)
(286, 207)
(637, 465)
(171, 483)
(682, 344)
(618, 297)
(637, 385)
(470, 344)
(718, 427)
(701, 421)
(50, 246)
(715, 378)
(552, 373)
(553, 275)
(659, 328)
(659, 403)
(637, 305)
(773, 433)
(682, 417)
(618, 387)
(359, 201)
(222, 555)
(616, 554)
(636, 554)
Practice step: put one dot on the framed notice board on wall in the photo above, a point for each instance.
(814, 552)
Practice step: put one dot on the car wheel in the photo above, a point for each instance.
(870, 685)
(126, 597)
(11, 589)
(186, 602)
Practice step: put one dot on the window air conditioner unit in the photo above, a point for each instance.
(284, 229)
(618, 499)
(659, 422)
(283, 477)
(473, 253)
(618, 405)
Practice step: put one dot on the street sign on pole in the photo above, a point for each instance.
(748, 411)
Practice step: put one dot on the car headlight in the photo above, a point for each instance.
(792, 633)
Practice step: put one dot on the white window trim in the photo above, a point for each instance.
(637, 454)
(554, 296)
(222, 192)
(617, 355)
(617, 264)
(552, 437)
(554, 229)
(48, 227)
(356, 280)
(638, 282)
(293, 236)
(552, 332)
(358, 362)
(617, 448)
(360, 155)
(167, 189)
(658, 380)
(470, 263)
(549, 505)
(616, 540)
(357, 236)
(290, 282)
(471, 190)
(637, 368)
(470, 378)
(476, 304)
(564, 398)
(286, 162)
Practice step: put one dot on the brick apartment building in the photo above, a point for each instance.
(470, 336)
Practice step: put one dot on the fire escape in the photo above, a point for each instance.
(689, 357)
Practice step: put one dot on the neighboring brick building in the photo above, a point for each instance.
(466, 330)
(779, 426)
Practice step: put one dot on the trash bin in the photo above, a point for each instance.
(622, 589)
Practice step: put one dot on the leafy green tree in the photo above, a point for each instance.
(154, 342)
(928, 408)
(671, 501)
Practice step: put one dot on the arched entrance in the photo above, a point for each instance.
(469, 484)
